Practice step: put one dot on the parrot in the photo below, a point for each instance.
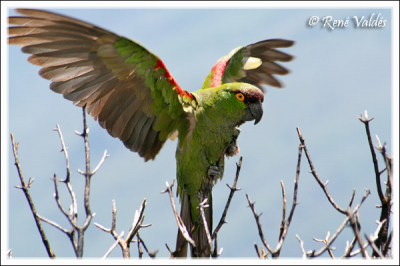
(132, 95)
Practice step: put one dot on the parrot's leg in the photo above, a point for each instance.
(233, 149)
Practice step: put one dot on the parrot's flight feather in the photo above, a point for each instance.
(253, 64)
(122, 84)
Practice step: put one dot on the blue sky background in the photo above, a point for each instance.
(336, 75)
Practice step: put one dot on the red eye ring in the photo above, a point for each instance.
(240, 96)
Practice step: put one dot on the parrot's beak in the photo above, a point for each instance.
(253, 111)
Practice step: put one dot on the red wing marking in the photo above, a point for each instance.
(219, 69)
(171, 80)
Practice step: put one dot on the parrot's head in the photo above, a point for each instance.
(252, 97)
(232, 104)
(249, 98)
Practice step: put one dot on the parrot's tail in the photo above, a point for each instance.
(198, 234)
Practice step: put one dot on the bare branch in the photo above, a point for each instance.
(374, 247)
(25, 189)
(65, 150)
(374, 159)
(137, 222)
(326, 240)
(233, 190)
(57, 198)
(381, 241)
(59, 227)
(322, 185)
(256, 247)
(372, 238)
(203, 205)
(257, 217)
(136, 225)
(105, 155)
(276, 251)
(114, 217)
(9, 253)
(352, 197)
(88, 175)
(282, 227)
(114, 245)
(152, 254)
(302, 247)
(179, 220)
(102, 227)
(349, 248)
(340, 229)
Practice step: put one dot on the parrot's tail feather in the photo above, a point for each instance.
(199, 235)
(181, 243)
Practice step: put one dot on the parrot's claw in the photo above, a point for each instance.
(214, 172)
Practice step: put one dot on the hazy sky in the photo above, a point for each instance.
(336, 75)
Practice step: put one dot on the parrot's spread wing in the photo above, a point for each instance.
(124, 86)
(253, 64)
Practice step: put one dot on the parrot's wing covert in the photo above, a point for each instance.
(124, 86)
(253, 64)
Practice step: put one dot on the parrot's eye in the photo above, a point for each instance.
(240, 96)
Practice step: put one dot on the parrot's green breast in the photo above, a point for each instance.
(217, 116)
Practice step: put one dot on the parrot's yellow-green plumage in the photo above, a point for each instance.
(135, 98)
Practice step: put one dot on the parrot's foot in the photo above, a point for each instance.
(214, 172)
(233, 149)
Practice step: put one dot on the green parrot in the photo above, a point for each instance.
(134, 97)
